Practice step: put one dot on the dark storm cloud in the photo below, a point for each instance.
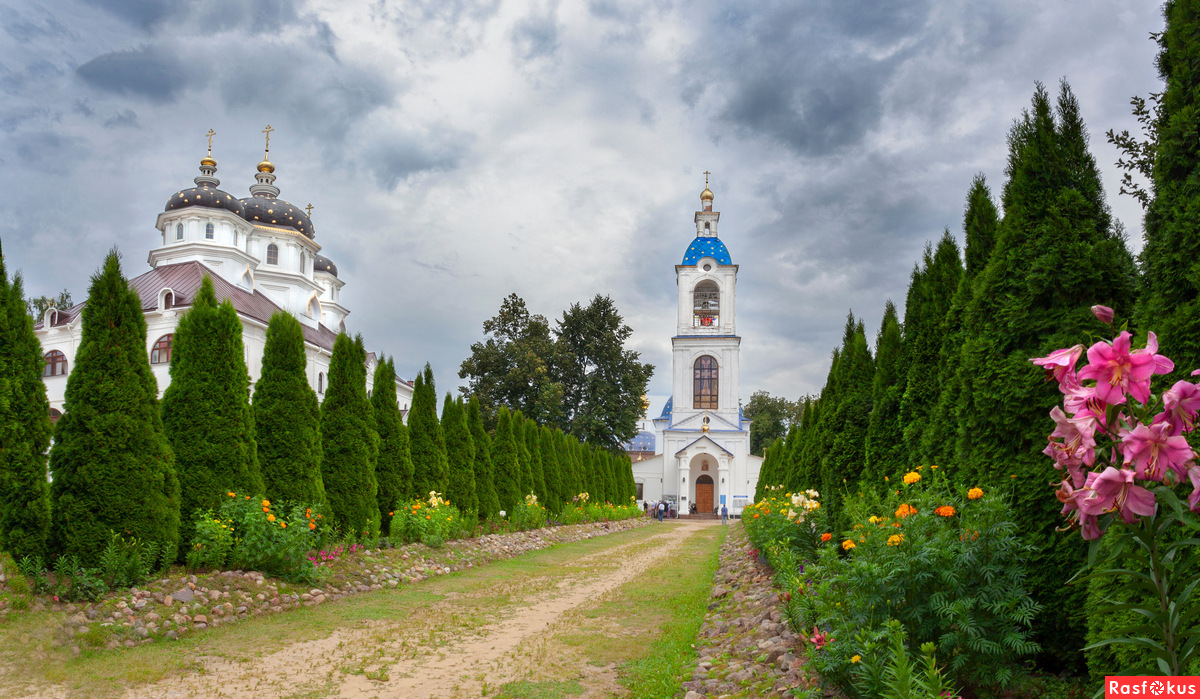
(810, 76)
(401, 156)
(149, 71)
(535, 35)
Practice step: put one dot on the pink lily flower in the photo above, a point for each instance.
(1067, 494)
(1078, 445)
(1152, 450)
(1103, 313)
(819, 639)
(1114, 490)
(1118, 371)
(1082, 401)
(1060, 364)
(1194, 498)
(1180, 404)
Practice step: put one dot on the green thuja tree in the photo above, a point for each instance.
(287, 417)
(112, 466)
(1057, 253)
(460, 455)
(842, 463)
(924, 319)
(551, 469)
(206, 409)
(1170, 259)
(485, 472)
(427, 443)
(536, 465)
(24, 428)
(524, 458)
(884, 446)
(504, 462)
(349, 441)
(980, 223)
(393, 466)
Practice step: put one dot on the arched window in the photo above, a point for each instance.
(704, 386)
(178, 231)
(55, 415)
(208, 231)
(706, 305)
(272, 254)
(56, 364)
(161, 352)
(303, 261)
(321, 382)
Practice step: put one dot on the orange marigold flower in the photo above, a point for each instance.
(312, 525)
(266, 509)
(266, 503)
(826, 536)
(283, 525)
(906, 510)
(911, 477)
(428, 517)
(848, 544)
(270, 518)
(945, 511)
(974, 493)
(755, 516)
(232, 494)
(895, 540)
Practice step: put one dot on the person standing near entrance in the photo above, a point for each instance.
(724, 514)
(662, 509)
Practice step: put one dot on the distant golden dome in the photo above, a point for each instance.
(266, 166)
(208, 161)
(706, 195)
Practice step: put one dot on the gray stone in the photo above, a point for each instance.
(183, 595)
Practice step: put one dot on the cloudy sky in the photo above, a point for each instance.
(456, 151)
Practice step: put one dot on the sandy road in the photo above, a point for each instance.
(451, 658)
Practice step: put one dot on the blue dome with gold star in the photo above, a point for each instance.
(707, 247)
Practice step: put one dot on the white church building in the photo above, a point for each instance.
(704, 440)
(262, 255)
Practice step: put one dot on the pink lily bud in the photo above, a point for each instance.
(1104, 313)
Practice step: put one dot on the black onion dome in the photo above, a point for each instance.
(277, 212)
(324, 264)
(207, 196)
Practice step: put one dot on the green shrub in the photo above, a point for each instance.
(127, 562)
(274, 540)
(433, 521)
(212, 540)
(529, 514)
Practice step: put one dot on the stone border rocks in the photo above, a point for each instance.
(746, 649)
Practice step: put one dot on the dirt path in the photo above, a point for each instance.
(449, 652)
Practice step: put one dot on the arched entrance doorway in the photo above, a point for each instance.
(704, 494)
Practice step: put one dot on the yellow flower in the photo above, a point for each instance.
(933, 467)
(875, 520)
(911, 477)
(895, 539)
(270, 518)
(974, 493)
(848, 544)
(266, 503)
(855, 658)
(231, 495)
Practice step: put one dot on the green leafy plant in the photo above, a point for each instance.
(128, 562)
(211, 542)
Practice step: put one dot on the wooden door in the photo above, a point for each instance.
(704, 494)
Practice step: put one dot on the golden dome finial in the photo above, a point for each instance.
(707, 194)
(266, 165)
(208, 160)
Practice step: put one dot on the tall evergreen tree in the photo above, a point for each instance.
(842, 463)
(980, 223)
(485, 472)
(111, 462)
(551, 469)
(1170, 303)
(287, 417)
(427, 443)
(536, 467)
(460, 456)
(931, 295)
(884, 446)
(349, 440)
(504, 462)
(24, 428)
(524, 458)
(206, 409)
(1057, 253)
(393, 465)
(769, 475)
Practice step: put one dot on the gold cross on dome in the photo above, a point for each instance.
(210, 134)
(268, 131)
(706, 174)
(309, 209)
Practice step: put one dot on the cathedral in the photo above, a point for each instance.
(704, 456)
(262, 255)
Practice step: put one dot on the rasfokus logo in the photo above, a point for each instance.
(1143, 686)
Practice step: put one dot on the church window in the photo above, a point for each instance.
(178, 231)
(704, 385)
(208, 231)
(321, 382)
(55, 415)
(161, 352)
(56, 364)
(706, 305)
(272, 254)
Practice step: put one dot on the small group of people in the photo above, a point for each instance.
(659, 509)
